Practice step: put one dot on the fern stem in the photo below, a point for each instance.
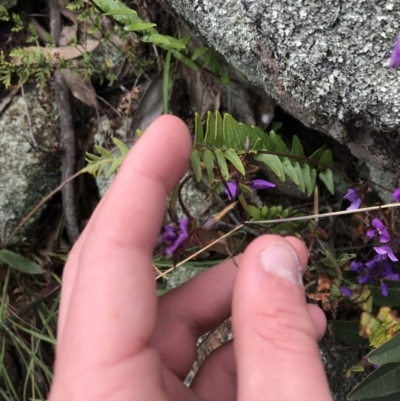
(167, 68)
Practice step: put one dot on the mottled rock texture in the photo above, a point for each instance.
(325, 62)
(27, 173)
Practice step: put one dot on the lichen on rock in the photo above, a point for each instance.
(324, 62)
(27, 173)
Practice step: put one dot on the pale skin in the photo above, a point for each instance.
(117, 341)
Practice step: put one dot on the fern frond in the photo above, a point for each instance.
(229, 139)
(107, 162)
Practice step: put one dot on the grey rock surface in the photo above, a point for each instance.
(8, 3)
(324, 62)
(27, 173)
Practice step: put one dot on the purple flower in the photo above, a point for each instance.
(364, 279)
(174, 236)
(354, 198)
(384, 289)
(232, 190)
(379, 229)
(395, 56)
(346, 291)
(356, 266)
(396, 195)
(374, 263)
(386, 250)
(262, 184)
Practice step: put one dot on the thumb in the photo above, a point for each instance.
(275, 333)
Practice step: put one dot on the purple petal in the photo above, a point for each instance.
(386, 250)
(384, 237)
(378, 224)
(346, 291)
(396, 195)
(371, 233)
(262, 184)
(183, 236)
(362, 279)
(355, 205)
(356, 266)
(384, 289)
(169, 233)
(233, 188)
(393, 277)
(351, 195)
(395, 56)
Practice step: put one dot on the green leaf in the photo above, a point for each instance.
(156, 38)
(210, 130)
(255, 213)
(198, 129)
(208, 159)
(186, 39)
(317, 154)
(290, 171)
(120, 12)
(185, 60)
(198, 52)
(121, 146)
(139, 26)
(19, 262)
(326, 157)
(273, 163)
(300, 178)
(346, 331)
(231, 155)
(382, 382)
(305, 170)
(225, 80)
(326, 177)
(297, 147)
(219, 140)
(165, 41)
(278, 143)
(386, 353)
(196, 164)
(390, 397)
(222, 164)
(233, 133)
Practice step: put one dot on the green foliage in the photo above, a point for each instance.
(107, 162)
(276, 212)
(18, 24)
(228, 137)
(19, 262)
(76, 5)
(382, 384)
(4, 16)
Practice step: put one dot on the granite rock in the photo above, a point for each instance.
(324, 62)
(27, 172)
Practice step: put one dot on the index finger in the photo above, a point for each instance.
(109, 298)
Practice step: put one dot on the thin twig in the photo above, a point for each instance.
(323, 215)
(28, 117)
(38, 206)
(200, 251)
(67, 133)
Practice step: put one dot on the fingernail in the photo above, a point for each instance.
(281, 259)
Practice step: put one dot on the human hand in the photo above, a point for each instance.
(118, 341)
